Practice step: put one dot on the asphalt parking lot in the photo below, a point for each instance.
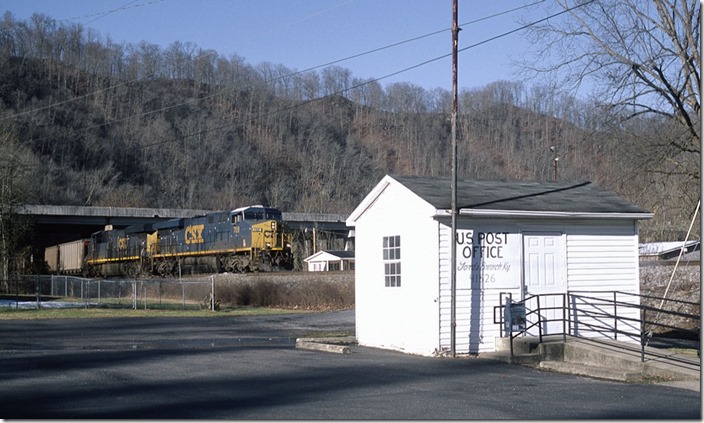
(249, 368)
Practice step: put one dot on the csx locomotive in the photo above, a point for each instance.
(246, 239)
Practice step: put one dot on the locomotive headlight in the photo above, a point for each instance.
(273, 226)
(268, 245)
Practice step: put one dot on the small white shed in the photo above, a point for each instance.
(328, 261)
(522, 238)
(667, 250)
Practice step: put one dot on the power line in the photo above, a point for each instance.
(340, 92)
(100, 15)
(304, 18)
(344, 59)
(472, 45)
(420, 37)
(179, 138)
(528, 25)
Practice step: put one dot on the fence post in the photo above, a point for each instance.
(65, 286)
(510, 342)
(570, 305)
(540, 320)
(565, 313)
(17, 292)
(642, 335)
(212, 293)
(134, 295)
(183, 290)
(615, 318)
(39, 293)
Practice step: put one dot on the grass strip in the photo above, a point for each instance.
(92, 313)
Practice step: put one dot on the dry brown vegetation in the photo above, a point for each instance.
(304, 290)
(684, 285)
(98, 123)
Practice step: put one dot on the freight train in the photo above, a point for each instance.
(252, 238)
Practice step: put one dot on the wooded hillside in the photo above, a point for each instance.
(86, 121)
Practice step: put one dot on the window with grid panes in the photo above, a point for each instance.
(392, 261)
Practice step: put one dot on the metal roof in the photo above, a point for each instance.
(657, 248)
(564, 197)
(337, 254)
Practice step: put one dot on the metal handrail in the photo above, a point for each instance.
(565, 314)
(571, 302)
(676, 313)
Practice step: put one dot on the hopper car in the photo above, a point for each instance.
(247, 239)
(66, 258)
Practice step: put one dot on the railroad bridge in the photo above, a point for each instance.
(56, 224)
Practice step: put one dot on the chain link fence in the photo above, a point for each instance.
(290, 290)
(45, 291)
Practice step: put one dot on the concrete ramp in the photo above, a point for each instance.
(603, 359)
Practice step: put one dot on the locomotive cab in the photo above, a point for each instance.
(261, 230)
(255, 213)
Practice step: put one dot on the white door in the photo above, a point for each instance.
(544, 273)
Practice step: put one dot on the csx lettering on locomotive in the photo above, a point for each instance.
(122, 243)
(194, 234)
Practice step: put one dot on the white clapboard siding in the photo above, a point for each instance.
(598, 258)
(600, 263)
(404, 318)
(590, 316)
(595, 260)
(474, 315)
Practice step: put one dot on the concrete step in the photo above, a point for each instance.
(579, 353)
(603, 359)
(530, 359)
(339, 345)
(597, 372)
(521, 345)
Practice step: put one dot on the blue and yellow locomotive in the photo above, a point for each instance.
(250, 238)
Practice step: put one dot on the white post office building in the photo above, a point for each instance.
(521, 238)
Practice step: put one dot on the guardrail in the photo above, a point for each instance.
(607, 314)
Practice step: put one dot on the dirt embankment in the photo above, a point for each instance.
(684, 285)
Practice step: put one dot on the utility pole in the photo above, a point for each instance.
(453, 237)
(701, 117)
(554, 163)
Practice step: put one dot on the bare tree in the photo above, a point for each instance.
(405, 97)
(335, 80)
(17, 174)
(642, 57)
(308, 84)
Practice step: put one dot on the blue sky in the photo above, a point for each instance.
(302, 34)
